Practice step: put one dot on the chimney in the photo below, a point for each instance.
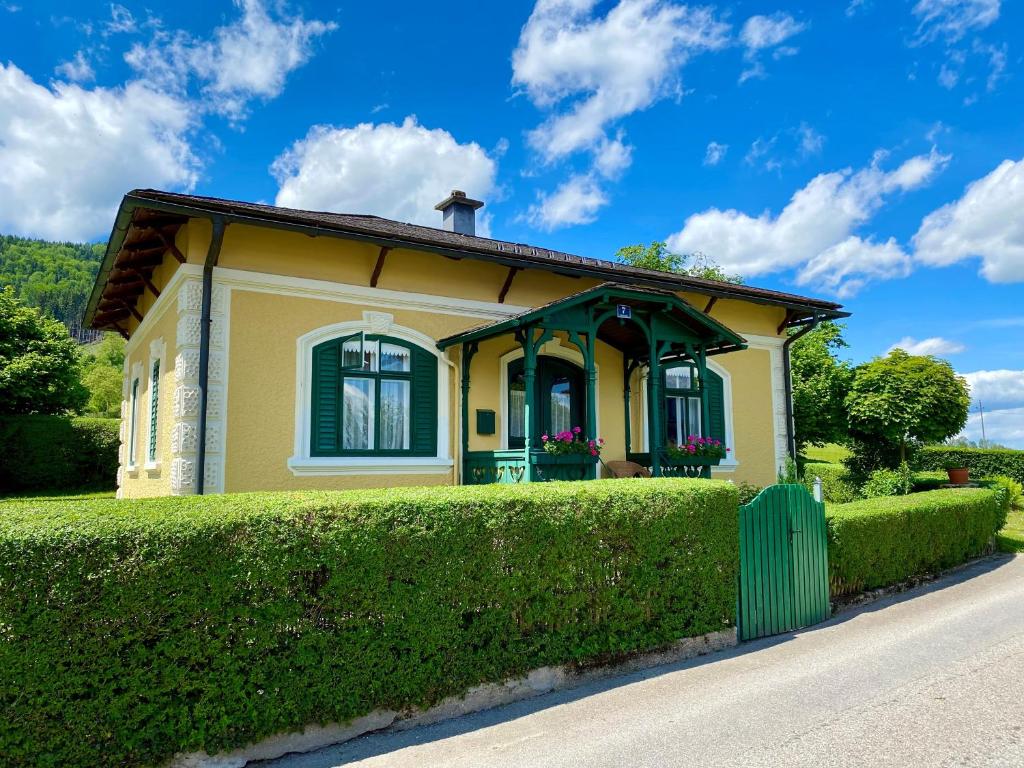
(459, 213)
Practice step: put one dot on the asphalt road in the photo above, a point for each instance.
(930, 677)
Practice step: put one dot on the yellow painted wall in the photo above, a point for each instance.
(264, 327)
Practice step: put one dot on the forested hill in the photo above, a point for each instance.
(56, 277)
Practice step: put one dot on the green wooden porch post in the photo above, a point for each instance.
(654, 406)
(529, 380)
(625, 400)
(468, 350)
(702, 370)
(588, 360)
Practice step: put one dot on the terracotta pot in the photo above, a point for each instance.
(958, 475)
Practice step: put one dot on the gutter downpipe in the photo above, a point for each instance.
(787, 376)
(205, 322)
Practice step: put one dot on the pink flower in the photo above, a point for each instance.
(544, 438)
(600, 441)
(576, 430)
(727, 450)
(593, 452)
(691, 448)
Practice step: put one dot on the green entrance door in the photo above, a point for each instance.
(560, 395)
(783, 562)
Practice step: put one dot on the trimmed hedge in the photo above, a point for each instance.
(132, 630)
(54, 453)
(883, 541)
(836, 484)
(983, 462)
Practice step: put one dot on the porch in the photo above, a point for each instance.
(658, 338)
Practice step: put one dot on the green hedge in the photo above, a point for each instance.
(883, 541)
(983, 462)
(132, 630)
(836, 485)
(54, 453)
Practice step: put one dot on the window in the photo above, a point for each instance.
(133, 418)
(154, 405)
(373, 395)
(559, 398)
(682, 403)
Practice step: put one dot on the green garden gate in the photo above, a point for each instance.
(783, 562)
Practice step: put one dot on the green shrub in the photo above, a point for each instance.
(836, 485)
(748, 491)
(132, 630)
(883, 541)
(52, 453)
(983, 462)
(928, 481)
(889, 482)
(1014, 490)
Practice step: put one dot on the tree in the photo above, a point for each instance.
(657, 256)
(899, 399)
(103, 375)
(40, 369)
(821, 382)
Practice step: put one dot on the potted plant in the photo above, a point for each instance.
(572, 445)
(697, 451)
(958, 474)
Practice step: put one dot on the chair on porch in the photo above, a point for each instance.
(626, 469)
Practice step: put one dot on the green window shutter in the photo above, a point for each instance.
(423, 433)
(716, 406)
(326, 399)
(154, 404)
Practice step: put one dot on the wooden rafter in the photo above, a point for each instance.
(785, 323)
(379, 266)
(125, 289)
(711, 303)
(172, 248)
(131, 308)
(150, 259)
(507, 284)
(149, 283)
(120, 330)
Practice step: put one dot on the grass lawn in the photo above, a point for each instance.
(56, 495)
(830, 453)
(1011, 538)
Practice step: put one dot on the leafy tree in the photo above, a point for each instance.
(40, 368)
(657, 256)
(103, 375)
(901, 399)
(821, 382)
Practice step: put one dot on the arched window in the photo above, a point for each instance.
(373, 395)
(682, 389)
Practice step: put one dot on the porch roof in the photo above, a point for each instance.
(624, 336)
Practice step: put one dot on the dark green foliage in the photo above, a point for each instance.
(136, 629)
(901, 398)
(40, 371)
(837, 487)
(821, 382)
(50, 453)
(748, 492)
(103, 375)
(657, 256)
(889, 482)
(878, 542)
(56, 278)
(983, 462)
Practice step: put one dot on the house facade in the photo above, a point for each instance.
(274, 349)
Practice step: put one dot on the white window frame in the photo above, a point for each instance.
(157, 354)
(132, 427)
(301, 464)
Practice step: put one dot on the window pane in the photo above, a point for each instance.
(394, 358)
(394, 415)
(693, 416)
(680, 377)
(561, 406)
(357, 414)
(350, 355)
(673, 420)
(517, 407)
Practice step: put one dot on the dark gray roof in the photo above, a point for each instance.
(399, 234)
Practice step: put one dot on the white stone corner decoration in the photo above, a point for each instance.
(378, 322)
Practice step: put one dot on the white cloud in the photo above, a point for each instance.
(814, 228)
(951, 20)
(1003, 426)
(935, 345)
(715, 153)
(855, 7)
(69, 153)
(77, 70)
(761, 33)
(576, 201)
(811, 142)
(247, 59)
(985, 223)
(998, 387)
(588, 71)
(396, 171)
(121, 21)
(848, 266)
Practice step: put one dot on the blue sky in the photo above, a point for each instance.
(867, 151)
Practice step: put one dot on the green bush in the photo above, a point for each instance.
(54, 453)
(928, 481)
(748, 491)
(883, 541)
(1014, 490)
(132, 630)
(983, 462)
(837, 486)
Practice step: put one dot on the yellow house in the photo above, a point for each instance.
(277, 349)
